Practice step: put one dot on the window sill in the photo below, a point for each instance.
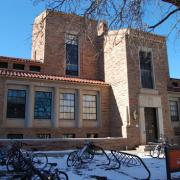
(90, 120)
(149, 91)
(42, 119)
(9, 119)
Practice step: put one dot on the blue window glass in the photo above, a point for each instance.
(42, 107)
(146, 69)
(71, 55)
(16, 102)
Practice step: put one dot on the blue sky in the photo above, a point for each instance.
(17, 16)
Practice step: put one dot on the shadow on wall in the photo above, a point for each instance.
(116, 120)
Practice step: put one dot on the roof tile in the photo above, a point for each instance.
(31, 75)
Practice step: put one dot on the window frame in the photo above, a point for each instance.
(92, 135)
(4, 65)
(63, 106)
(18, 66)
(25, 100)
(10, 136)
(67, 135)
(44, 135)
(51, 104)
(147, 50)
(177, 111)
(96, 106)
(78, 44)
(34, 68)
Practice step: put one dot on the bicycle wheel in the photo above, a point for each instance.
(72, 159)
(155, 152)
(15, 162)
(61, 175)
(39, 160)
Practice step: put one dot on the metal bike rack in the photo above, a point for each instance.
(103, 153)
(128, 160)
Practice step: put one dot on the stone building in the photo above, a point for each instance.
(85, 81)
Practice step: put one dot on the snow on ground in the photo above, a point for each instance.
(91, 170)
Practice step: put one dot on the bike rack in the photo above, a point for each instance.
(128, 160)
(103, 152)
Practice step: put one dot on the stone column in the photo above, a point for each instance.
(55, 117)
(79, 108)
(142, 125)
(160, 121)
(30, 107)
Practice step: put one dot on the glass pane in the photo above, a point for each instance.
(42, 107)
(67, 105)
(16, 101)
(89, 107)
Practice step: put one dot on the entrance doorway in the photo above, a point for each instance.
(151, 124)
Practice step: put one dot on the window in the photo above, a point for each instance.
(42, 108)
(92, 135)
(44, 136)
(18, 66)
(71, 55)
(146, 69)
(69, 136)
(89, 107)
(174, 110)
(35, 68)
(3, 65)
(175, 84)
(67, 106)
(16, 102)
(15, 136)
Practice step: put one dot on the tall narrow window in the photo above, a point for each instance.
(67, 106)
(90, 107)
(174, 110)
(146, 69)
(72, 55)
(16, 102)
(42, 107)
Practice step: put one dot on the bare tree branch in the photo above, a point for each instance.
(164, 19)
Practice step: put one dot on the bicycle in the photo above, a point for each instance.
(33, 173)
(16, 163)
(157, 151)
(4, 152)
(83, 155)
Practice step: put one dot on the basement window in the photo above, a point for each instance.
(15, 136)
(18, 66)
(44, 136)
(92, 135)
(35, 68)
(69, 136)
(3, 65)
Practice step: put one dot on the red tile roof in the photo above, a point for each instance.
(31, 75)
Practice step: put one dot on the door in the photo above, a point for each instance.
(151, 124)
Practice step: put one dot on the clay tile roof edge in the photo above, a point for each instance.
(31, 75)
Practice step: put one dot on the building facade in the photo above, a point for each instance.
(85, 81)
